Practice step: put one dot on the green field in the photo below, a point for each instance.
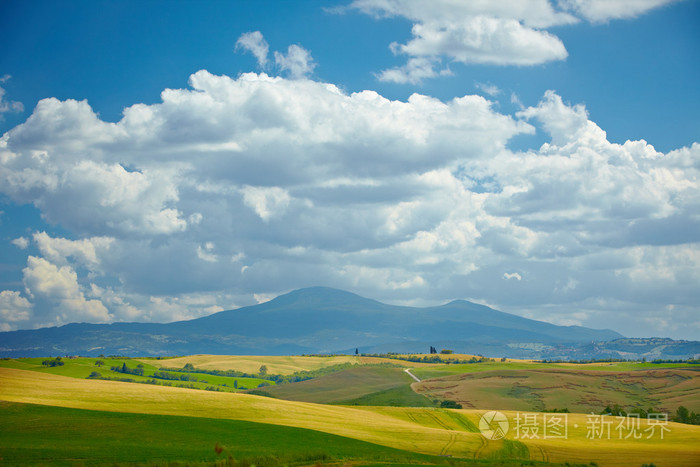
(82, 367)
(36, 434)
(400, 396)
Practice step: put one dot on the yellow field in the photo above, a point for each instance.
(279, 365)
(579, 390)
(430, 431)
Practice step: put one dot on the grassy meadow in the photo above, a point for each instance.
(362, 415)
(83, 367)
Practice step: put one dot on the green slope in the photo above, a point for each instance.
(401, 396)
(342, 386)
(45, 435)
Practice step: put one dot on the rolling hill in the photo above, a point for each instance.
(310, 321)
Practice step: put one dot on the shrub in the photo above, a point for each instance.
(448, 404)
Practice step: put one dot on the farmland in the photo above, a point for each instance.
(345, 385)
(375, 417)
(582, 391)
(84, 367)
(283, 365)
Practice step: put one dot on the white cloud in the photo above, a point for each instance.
(59, 286)
(604, 10)
(534, 13)
(484, 40)
(255, 43)
(415, 71)
(266, 201)
(6, 105)
(507, 32)
(85, 252)
(205, 253)
(259, 184)
(490, 89)
(14, 309)
(22, 243)
(297, 62)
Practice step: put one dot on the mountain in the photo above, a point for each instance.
(316, 320)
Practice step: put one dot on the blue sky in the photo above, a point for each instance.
(538, 156)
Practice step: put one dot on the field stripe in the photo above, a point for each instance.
(387, 426)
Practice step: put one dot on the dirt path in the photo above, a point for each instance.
(408, 371)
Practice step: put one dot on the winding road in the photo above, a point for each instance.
(408, 371)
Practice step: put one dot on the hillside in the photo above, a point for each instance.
(428, 431)
(582, 390)
(310, 321)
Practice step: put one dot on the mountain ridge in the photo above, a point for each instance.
(318, 320)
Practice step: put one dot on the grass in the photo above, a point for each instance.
(401, 396)
(582, 391)
(342, 386)
(82, 367)
(421, 430)
(36, 434)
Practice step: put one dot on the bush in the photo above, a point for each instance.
(52, 363)
(448, 404)
(128, 371)
(95, 374)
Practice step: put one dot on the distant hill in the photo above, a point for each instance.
(319, 320)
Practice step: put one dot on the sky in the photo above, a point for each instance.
(162, 161)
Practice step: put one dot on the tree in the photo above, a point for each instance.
(357, 351)
(99, 363)
(263, 370)
(447, 351)
(95, 374)
(188, 367)
(682, 414)
(448, 404)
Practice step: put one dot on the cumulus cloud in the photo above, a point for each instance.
(255, 43)
(22, 243)
(266, 201)
(59, 286)
(13, 309)
(414, 71)
(602, 10)
(488, 88)
(484, 40)
(258, 185)
(512, 32)
(297, 61)
(8, 105)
